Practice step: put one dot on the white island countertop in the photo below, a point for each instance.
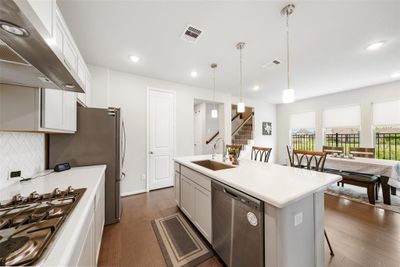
(272, 183)
(61, 248)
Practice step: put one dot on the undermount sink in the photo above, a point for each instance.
(212, 165)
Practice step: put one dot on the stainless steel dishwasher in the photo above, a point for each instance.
(237, 227)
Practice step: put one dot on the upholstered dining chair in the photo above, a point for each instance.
(362, 152)
(310, 160)
(236, 147)
(260, 153)
(333, 149)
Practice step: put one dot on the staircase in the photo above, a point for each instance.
(243, 135)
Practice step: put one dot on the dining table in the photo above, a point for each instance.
(388, 170)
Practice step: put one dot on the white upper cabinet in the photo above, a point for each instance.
(45, 10)
(70, 54)
(69, 111)
(82, 71)
(52, 109)
(58, 110)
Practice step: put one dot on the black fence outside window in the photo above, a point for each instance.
(387, 146)
(303, 141)
(343, 140)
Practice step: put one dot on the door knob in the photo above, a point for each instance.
(151, 153)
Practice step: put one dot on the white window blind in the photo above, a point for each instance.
(386, 113)
(302, 120)
(349, 116)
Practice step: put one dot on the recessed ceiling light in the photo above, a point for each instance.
(395, 75)
(134, 59)
(256, 87)
(193, 74)
(375, 46)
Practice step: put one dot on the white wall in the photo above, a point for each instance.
(363, 97)
(20, 152)
(129, 92)
(99, 84)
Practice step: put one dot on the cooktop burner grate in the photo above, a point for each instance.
(29, 224)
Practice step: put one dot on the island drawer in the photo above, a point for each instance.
(197, 177)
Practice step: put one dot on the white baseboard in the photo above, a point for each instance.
(133, 192)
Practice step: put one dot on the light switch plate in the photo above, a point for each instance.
(298, 218)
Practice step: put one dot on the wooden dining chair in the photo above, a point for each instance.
(311, 160)
(290, 156)
(362, 152)
(260, 153)
(236, 147)
(333, 149)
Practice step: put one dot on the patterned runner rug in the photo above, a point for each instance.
(180, 244)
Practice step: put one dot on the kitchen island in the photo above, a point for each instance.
(293, 204)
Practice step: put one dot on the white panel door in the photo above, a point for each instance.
(161, 139)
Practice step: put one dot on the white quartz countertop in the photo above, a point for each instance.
(61, 249)
(272, 183)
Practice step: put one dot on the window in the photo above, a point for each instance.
(342, 137)
(342, 127)
(302, 131)
(386, 120)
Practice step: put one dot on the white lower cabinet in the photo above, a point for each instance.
(87, 256)
(177, 186)
(99, 219)
(202, 217)
(187, 197)
(89, 252)
(196, 204)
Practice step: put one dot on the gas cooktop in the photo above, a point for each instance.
(28, 224)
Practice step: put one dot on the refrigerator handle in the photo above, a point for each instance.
(123, 144)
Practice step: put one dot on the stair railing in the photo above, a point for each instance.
(212, 138)
(243, 123)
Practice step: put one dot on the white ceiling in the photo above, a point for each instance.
(328, 42)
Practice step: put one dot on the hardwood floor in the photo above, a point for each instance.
(361, 235)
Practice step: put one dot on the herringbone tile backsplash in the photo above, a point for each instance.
(20, 151)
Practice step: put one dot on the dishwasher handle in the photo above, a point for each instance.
(233, 195)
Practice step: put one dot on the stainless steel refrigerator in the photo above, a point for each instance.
(100, 139)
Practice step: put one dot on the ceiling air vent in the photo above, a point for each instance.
(271, 64)
(191, 34)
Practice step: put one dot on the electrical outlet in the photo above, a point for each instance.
(143, 176)
(14, 174)
(298, 218)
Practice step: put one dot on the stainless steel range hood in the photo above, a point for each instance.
(30, 60)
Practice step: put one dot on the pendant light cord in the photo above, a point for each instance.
(287, 49)
(241, 75)
(214, 85)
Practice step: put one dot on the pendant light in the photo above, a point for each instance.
(240, 105)
(288, 94)
(214, 111)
